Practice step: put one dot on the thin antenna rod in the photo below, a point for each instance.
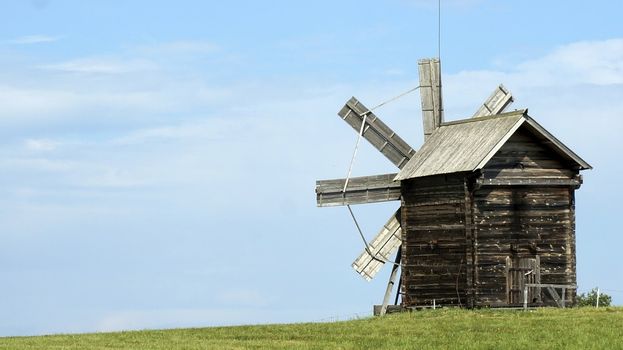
(439, 29)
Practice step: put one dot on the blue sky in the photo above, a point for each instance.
(158, 160)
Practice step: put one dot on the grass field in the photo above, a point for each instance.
(583, 328)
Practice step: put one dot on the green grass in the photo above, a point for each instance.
(583, 328)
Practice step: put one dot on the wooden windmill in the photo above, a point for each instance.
(467, 147)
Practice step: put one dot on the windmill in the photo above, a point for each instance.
(382, 188)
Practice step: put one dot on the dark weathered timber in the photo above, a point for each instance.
(434, 247)
(487, 205)
(477, 239)
(366, 189)
(377, 133)
(526, 160)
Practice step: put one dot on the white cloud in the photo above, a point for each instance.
(575, 66)
(23, 106)
(101, 66)
(35, 39)
(211, 130)
(587, 62)
(596, 62)
(43, 145)
(17, 102)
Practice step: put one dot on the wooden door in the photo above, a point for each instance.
(520, 271)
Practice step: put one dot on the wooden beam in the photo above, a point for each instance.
(360, 190)
(576, 182)
(390, 284)
(430, 93)
(382, 247)
(377, 133)
(499, 99)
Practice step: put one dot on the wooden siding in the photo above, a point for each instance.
(434, 241)
(521, 223)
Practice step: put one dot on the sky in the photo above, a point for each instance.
(158, 159)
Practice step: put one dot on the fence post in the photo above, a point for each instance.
(525, 298)
(597, 305)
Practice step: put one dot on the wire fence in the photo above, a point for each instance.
(367, 314)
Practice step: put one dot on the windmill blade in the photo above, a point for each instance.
(382, 247)
(496, 103)
(430, 93)
(366, 189)
(377, 133)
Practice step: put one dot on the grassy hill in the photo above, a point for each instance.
(583, 328)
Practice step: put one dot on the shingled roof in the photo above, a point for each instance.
(467, 145)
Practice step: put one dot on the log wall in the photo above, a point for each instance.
(461, 232)
(522, 222)
(434, 241)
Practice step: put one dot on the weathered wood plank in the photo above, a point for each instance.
(434, 242)
(499, 99)
(382, 246)
(366, 189)
(522, 222)
(381, 136)
(430, 93)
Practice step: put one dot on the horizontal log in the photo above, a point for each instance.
(528, 181)
(360, 190)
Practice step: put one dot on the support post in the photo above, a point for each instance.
(597, 304)
(398, 290)
(525, 298)
(390, 284)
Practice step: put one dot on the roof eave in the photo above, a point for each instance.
(557, 144)
(502, 141)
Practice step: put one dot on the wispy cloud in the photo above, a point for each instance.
(41, 145)
(586, 62)
(101, 66)
(26, 106)
(574, 66)
(34, 39)
(179, 47)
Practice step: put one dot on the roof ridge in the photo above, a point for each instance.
(514, 113)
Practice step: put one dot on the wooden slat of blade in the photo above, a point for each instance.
(365, 189)
(496, 103)
(382, 247)
(430, 94)
(377, 133)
